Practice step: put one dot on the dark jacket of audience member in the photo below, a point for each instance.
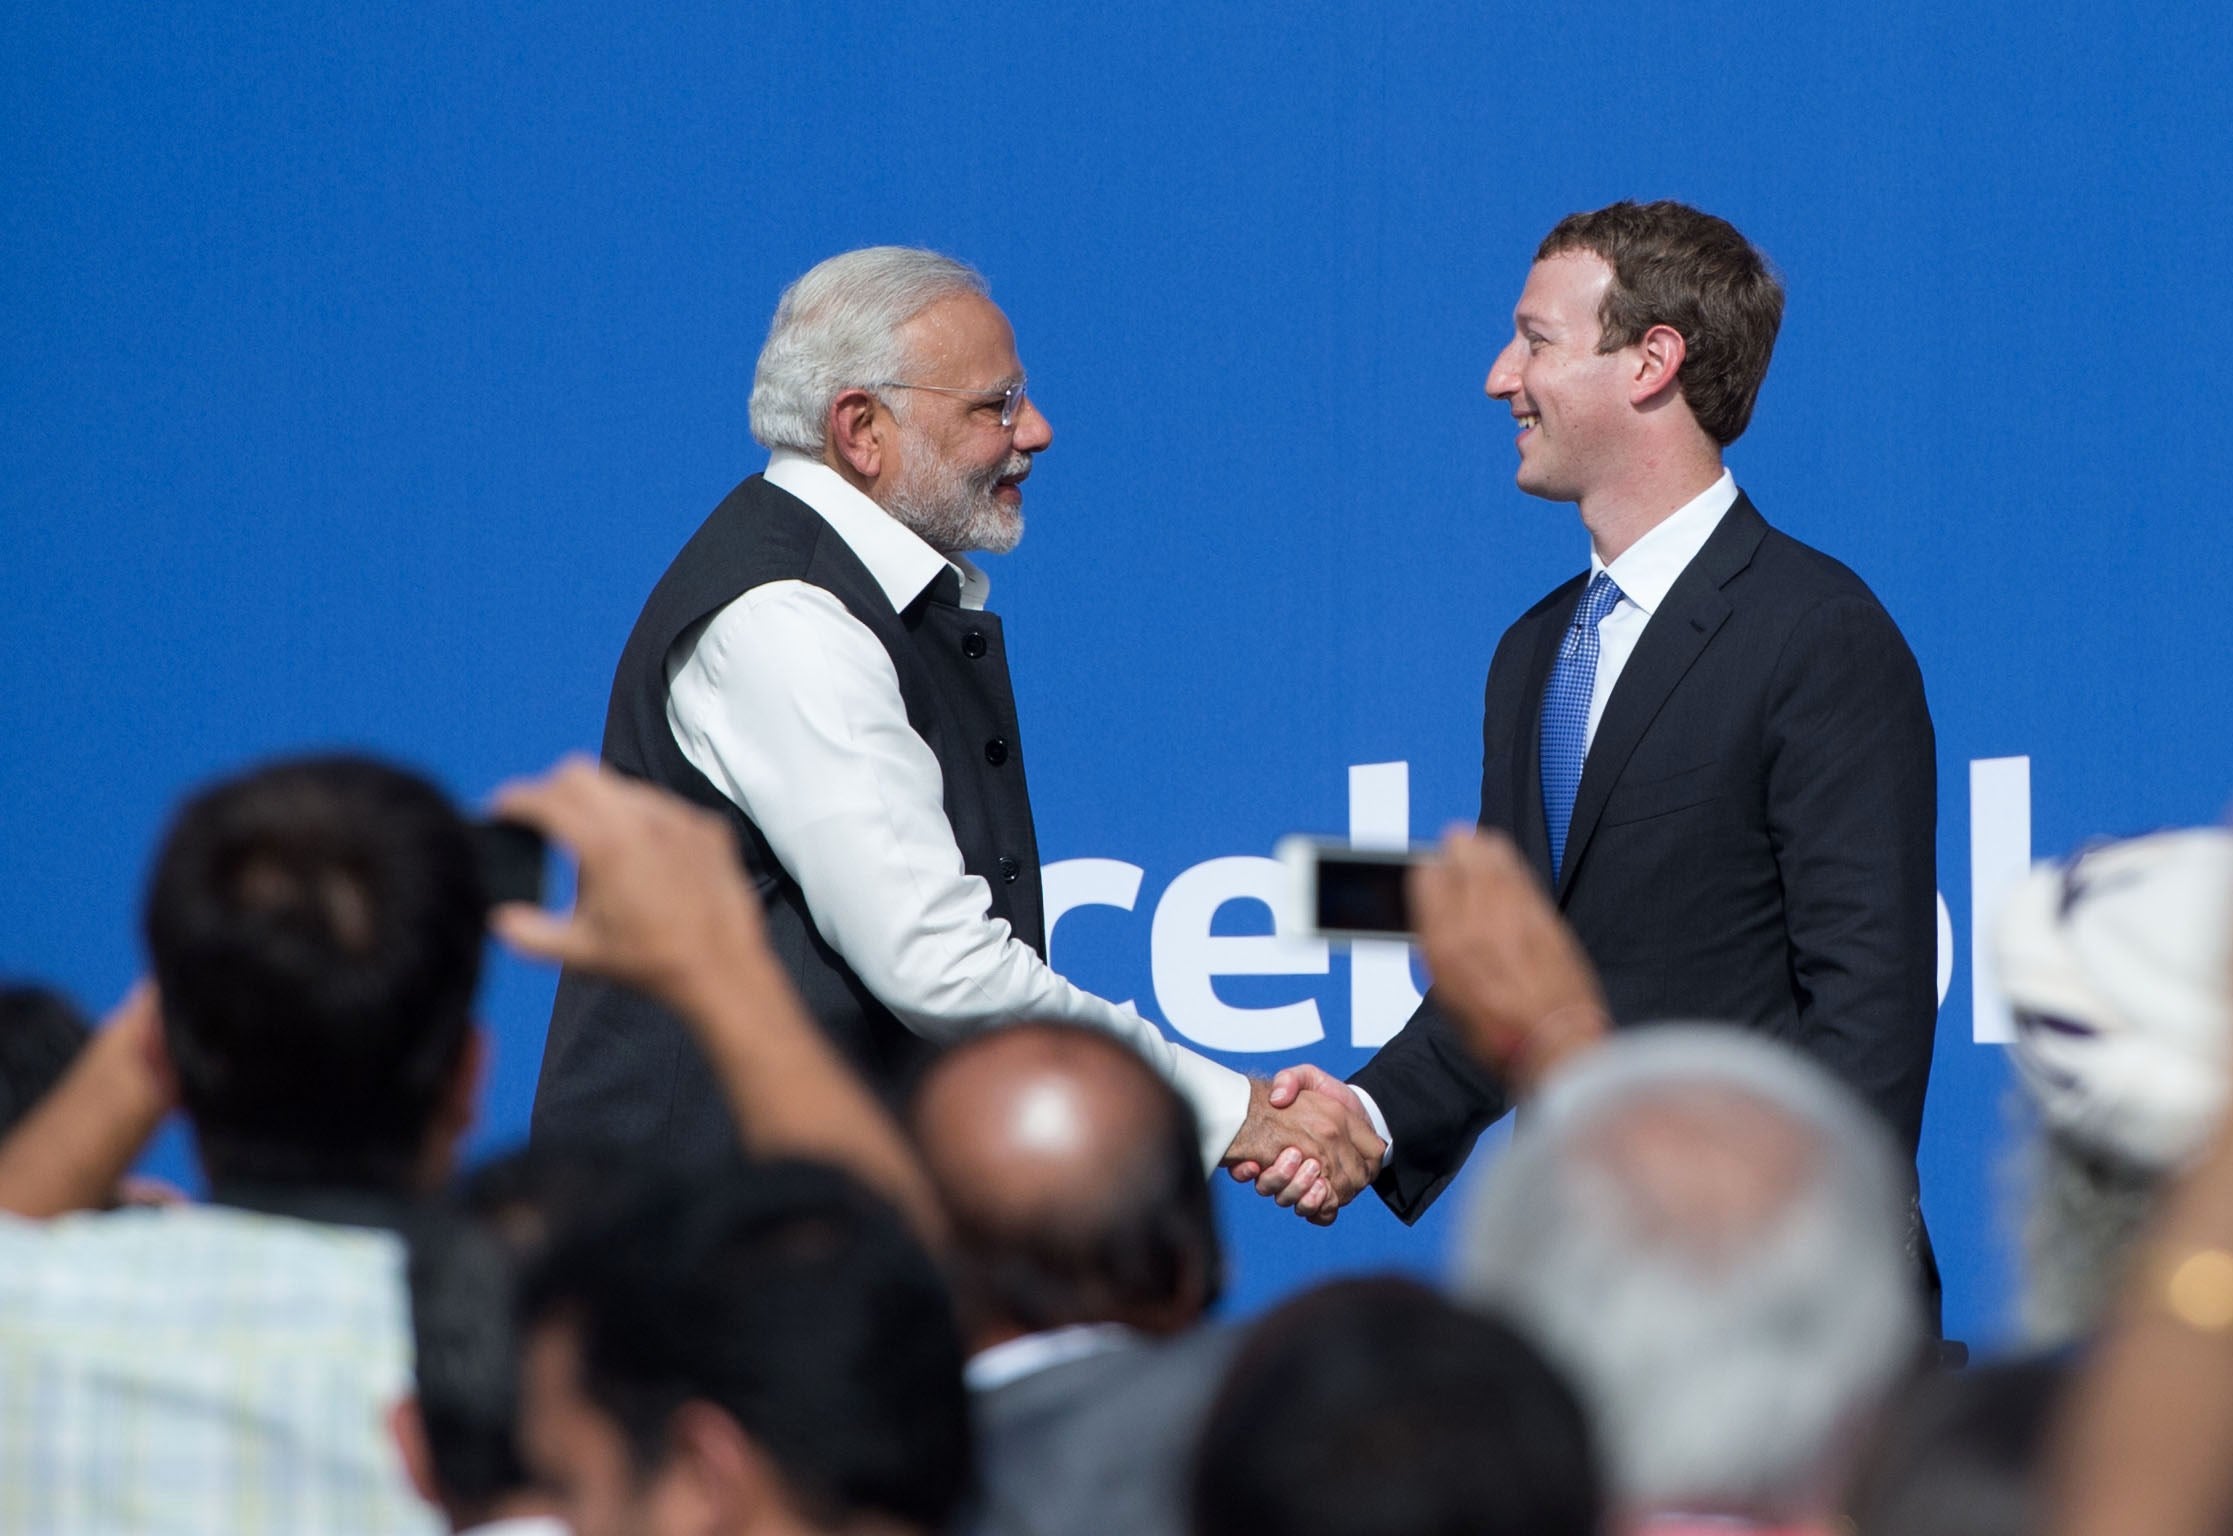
(1377, 1408)
(1961, 1454)
(460, 1434)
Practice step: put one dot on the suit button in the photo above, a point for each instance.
(996, 751)
(1009, 869)
(973, 644)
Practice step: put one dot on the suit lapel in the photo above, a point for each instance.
(1694, 610)
(1530, 828)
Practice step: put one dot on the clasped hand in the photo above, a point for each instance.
(1307, 1143)
(1509, 974)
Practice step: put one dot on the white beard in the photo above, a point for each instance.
(952, 510)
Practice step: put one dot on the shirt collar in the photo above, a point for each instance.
(895, 555)
(1014, 1359)
(1647, 569)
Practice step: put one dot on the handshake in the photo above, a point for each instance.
(660, 907)
(1509, 975)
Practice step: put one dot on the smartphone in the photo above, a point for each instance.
(1342, 892)
(514, 861)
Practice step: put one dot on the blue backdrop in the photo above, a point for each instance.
(364, 364)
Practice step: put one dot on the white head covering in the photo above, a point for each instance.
(2118, 966)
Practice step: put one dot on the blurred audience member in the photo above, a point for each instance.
(316, 929)
(766, 1350)
(2142, 1444)
(460, 1432)
(1376, 1408)
(1702, 1228)
(1084, 1254)
(1961, 1453)
(41, 1033)
(2119, 968)
(2142, 1447)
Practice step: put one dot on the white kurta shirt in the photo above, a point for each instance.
(791, 707)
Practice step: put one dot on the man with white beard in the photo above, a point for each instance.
(819, 664)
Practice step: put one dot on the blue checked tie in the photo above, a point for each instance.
(1566, 712)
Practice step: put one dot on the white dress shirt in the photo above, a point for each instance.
(792, 708)
(990, 1369)
(1645, 572)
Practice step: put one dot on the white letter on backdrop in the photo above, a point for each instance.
(1184, 955)
(1999, 856)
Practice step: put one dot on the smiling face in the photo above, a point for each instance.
(958, 480)
(1571, 401)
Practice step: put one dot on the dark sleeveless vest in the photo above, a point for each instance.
(620, 1068)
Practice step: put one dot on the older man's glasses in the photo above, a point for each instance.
(1011, 398)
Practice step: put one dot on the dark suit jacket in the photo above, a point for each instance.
(1754, 839)
(1100, 1446)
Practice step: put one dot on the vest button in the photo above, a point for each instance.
(996, 751)
(973, 644)
(1009, 869)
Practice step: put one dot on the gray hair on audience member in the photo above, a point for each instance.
(2117, 966)
(2080, 1218)
(1708, 1233)
(837, 328)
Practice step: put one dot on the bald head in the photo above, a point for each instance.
(1037, 1123)
(1071, 1175)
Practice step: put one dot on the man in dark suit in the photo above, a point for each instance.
(1083, 1255)
(1713, 745)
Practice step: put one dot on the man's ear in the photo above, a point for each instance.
(408, 1429)
(1660, 357)
(855, 430)
(721, 1478)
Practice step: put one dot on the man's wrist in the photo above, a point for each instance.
(1379, 1125)
(1565, 1031)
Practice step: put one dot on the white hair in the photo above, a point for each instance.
(1707, 1232)
(2115, 963)
(2082, 1215)
(837, 328)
